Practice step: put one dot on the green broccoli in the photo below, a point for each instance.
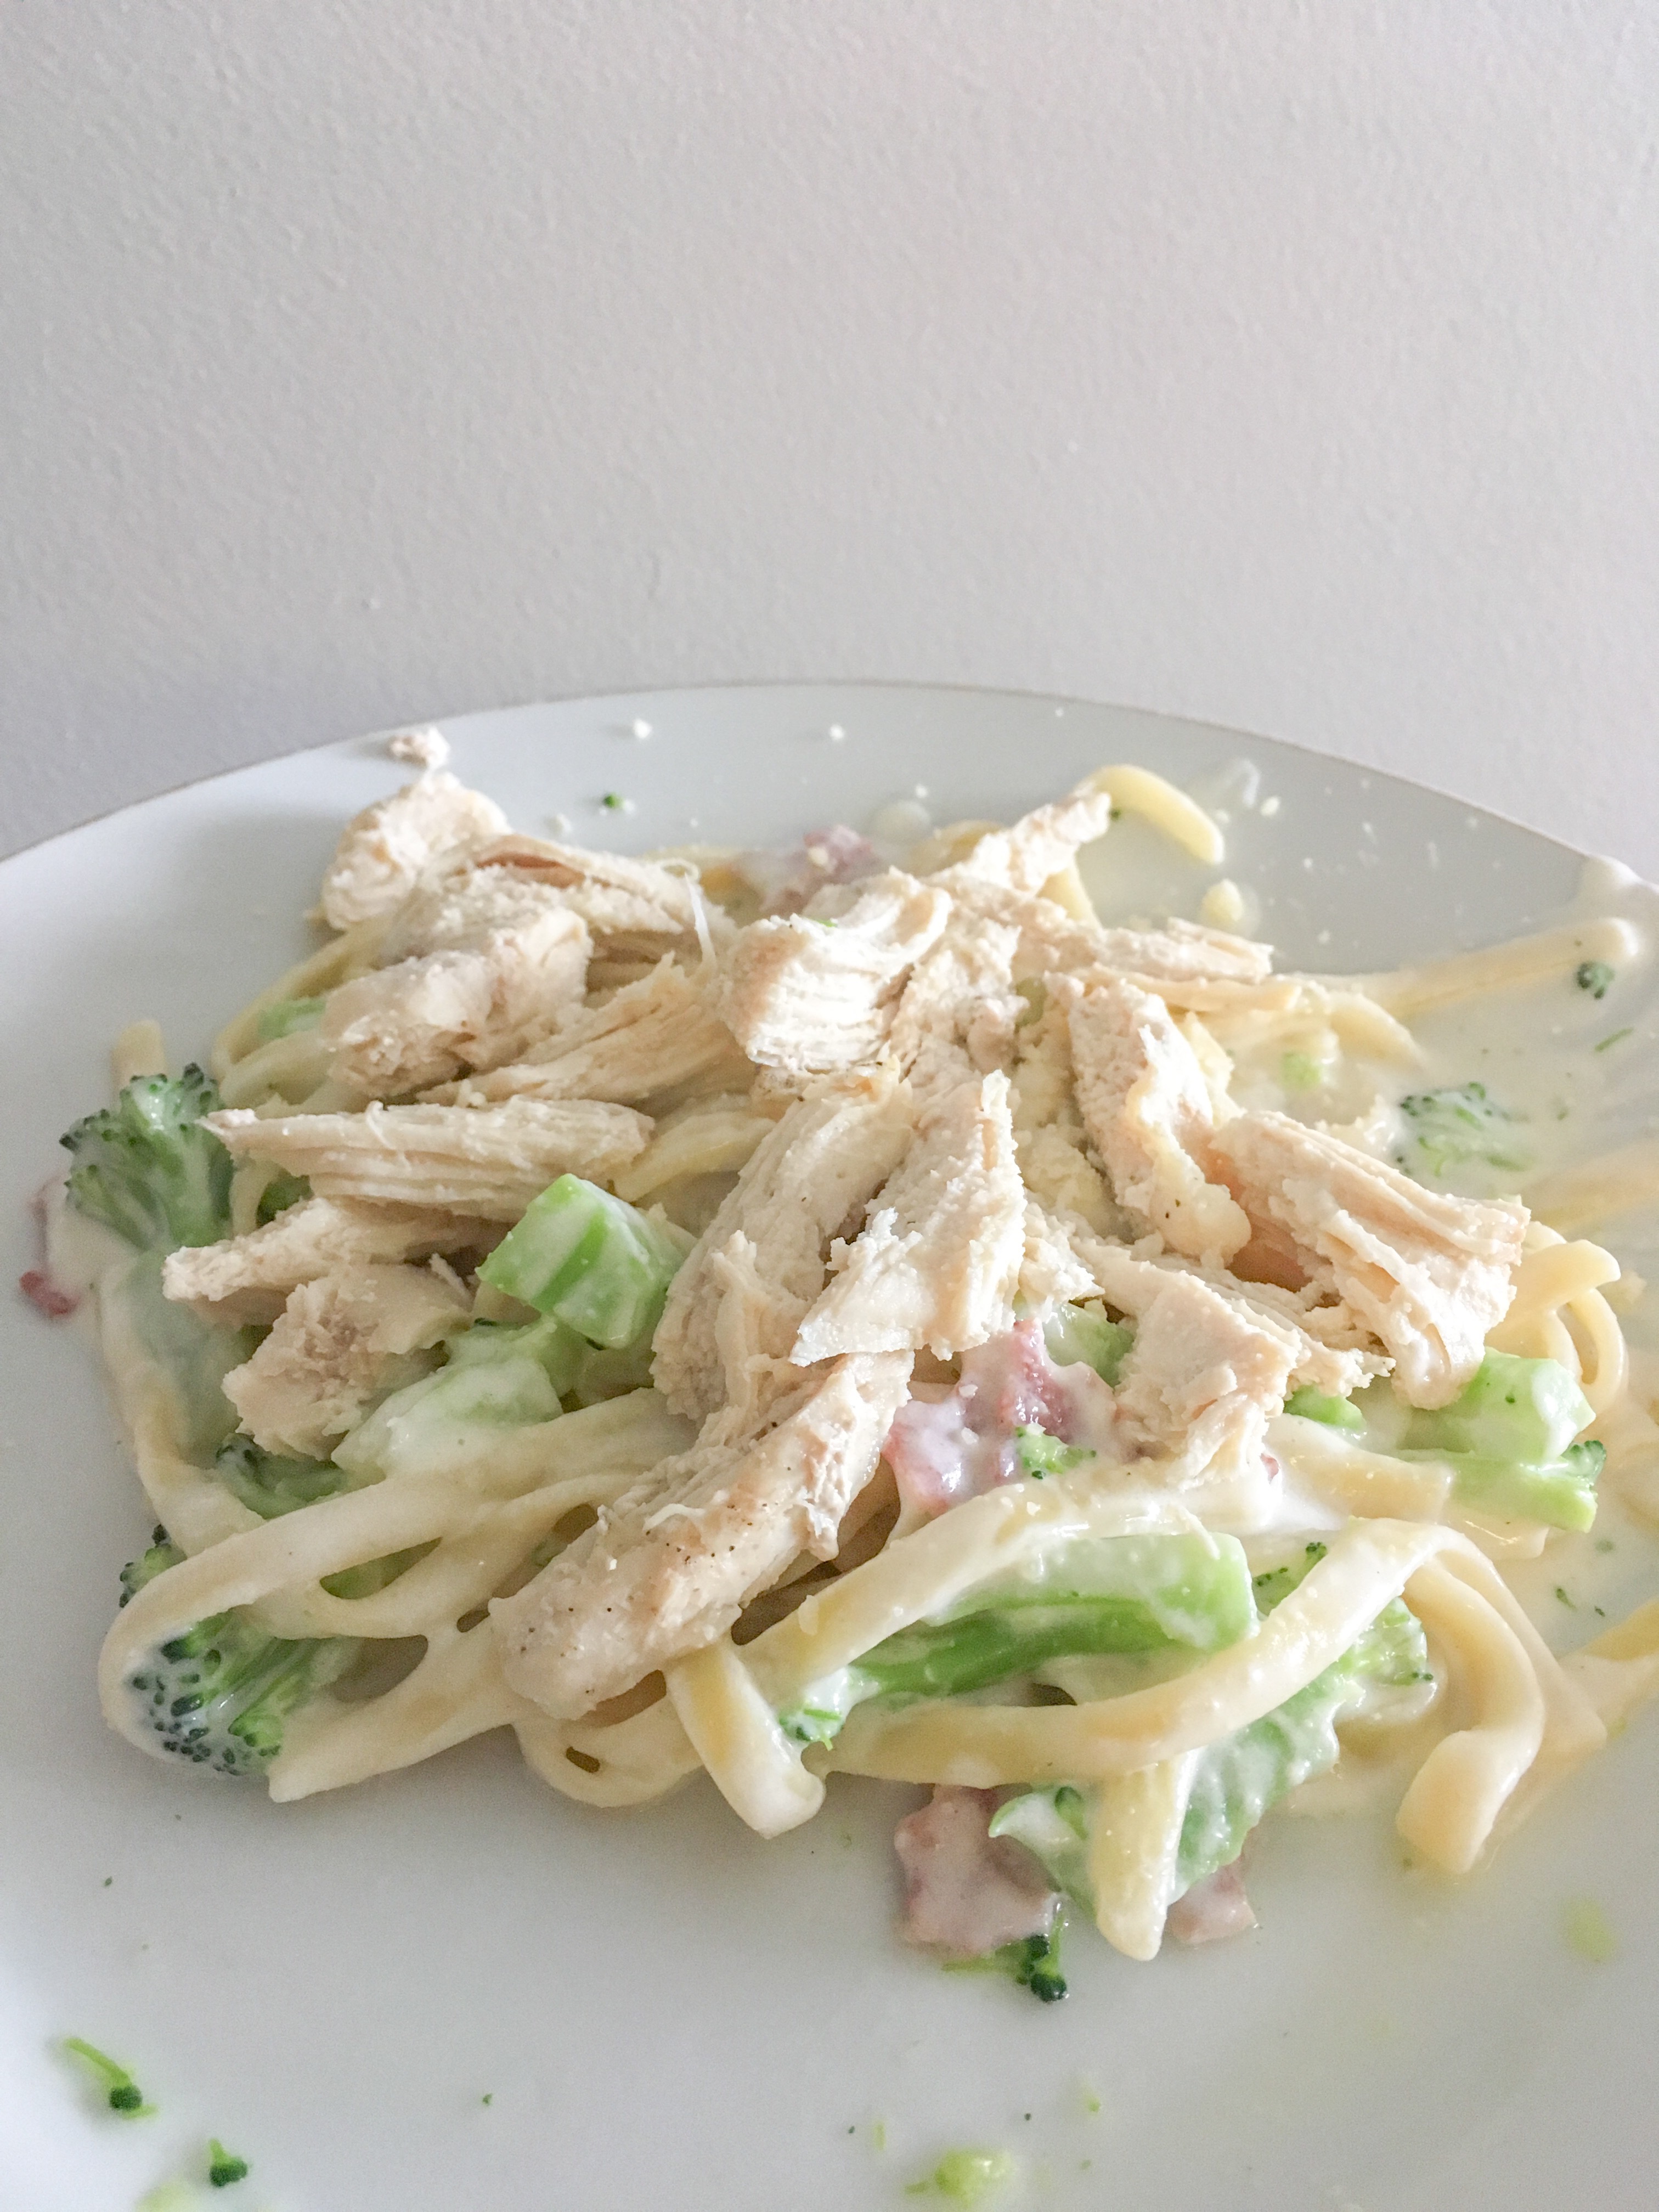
(283, 1016)
(270, 1485)
(1507, 1436)
(1110, 1594)
(599, 1264)
(223, 2166)
(1084, 1336)
(1031, 1962)
(1040, 1454)
(1454, 1129)
(124, 2093)
(146, 1168)
(282, 1191)
(1594, 976)
(221, 1693)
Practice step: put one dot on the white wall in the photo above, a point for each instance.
(1296, 366)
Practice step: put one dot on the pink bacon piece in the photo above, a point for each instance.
(967, 1892)
(946, 1444)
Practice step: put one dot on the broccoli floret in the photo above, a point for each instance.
(147, 1169)
(270, 1485)
(1082, 1335)
(220, 1694)
(1031, 1962)
(124, 2093)
(1040, 1454)
(1594, 976)
(1453, 1129)
(223, 2166)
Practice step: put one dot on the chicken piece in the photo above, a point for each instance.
(808, 1179)
(1049, 1132)
(1427, 1274)
(1050, 1272)
(812, 993)
(487, 1160)
(386, 848)
(967, 1892)
(1325, 1347)
(669, 1566)
(1203, 1378)
(1147, 1109)
(633, 909)
(248, 1279)
(413, 1025)
(959, 1011)
(656, 1036)
(1185, 962)
(938, 1261)
(1041, 844)
(340, 1342)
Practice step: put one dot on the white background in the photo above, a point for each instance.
(1296, 366)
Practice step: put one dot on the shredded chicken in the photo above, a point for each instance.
(667, 1569)
(959, 1011)
(1148, 1112)
(807, 1180)
(386, 848)
(487, 1160)
(651, 1039)
(413, 1025)
(1428, 1274)
(248, 1279)
(633, 909)
(340, 1342)
(939, 1260)
(1203, 1377)
(815, 993)
(1041, 844)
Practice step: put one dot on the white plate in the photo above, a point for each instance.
(664, 2010)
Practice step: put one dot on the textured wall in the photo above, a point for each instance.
(1295, 366)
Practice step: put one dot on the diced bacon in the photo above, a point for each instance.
(948, 1444)
(40, 1291)
(967, 1892)
(1213, 1909)
(786, 881)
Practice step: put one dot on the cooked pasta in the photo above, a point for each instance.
(785, 1316)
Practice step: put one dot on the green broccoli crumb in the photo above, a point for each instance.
(223, 2166)
(1040, 1454)
(122, 2092)
(1300, 1071)
(613, 802)
(1589, 1931)
(1594, 976)
(878, 2135)
(964, 2175)
(487, 2098)
(1618, 1037)
(1564, 1599)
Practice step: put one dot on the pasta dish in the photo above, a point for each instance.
(843, 1312)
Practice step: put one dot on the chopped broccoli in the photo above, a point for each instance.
(1617, 1037)
(1300, 1071)
(1507, 1438)
(599, 1264)
(270, 1485)
(1456, 1128)
(1238, 1780)
(1040, 1454)
(1276, 1583)
(1094, 1595)
(223, 2166)
(1082, 1335)
(123, 2094)
(220, 1694)
(496, 1377)
(1031, 1962)
(1594, 976)
(146, 1169)
(283, 1016)
(1311, 1404)
(964, 2175)
(282, 1191)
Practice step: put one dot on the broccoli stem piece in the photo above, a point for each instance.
(594, 1260)
(147, 1169)
(1115, 1594)
(122, 2092)
(1081, 1335)
(1507, 1436)
(1311, 1404)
